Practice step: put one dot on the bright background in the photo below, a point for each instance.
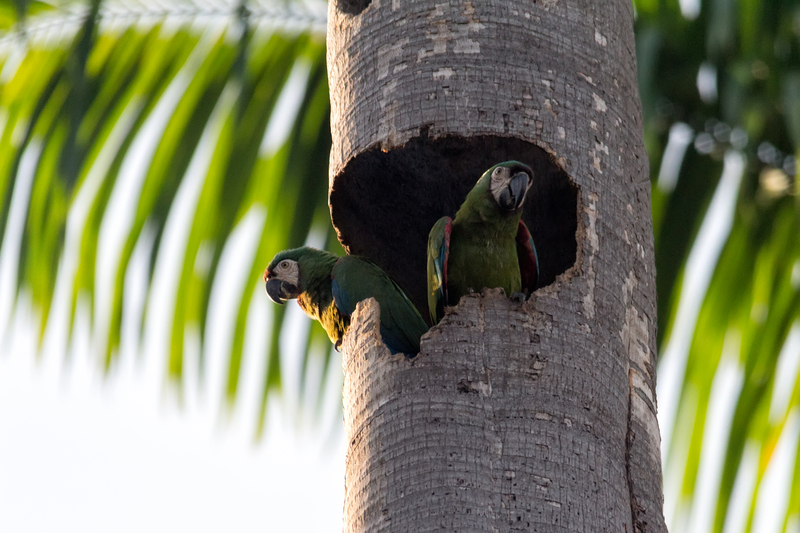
(129, 451)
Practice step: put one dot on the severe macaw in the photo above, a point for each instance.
(328, 287)
(487, 245)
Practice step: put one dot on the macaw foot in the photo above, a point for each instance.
(518, 297)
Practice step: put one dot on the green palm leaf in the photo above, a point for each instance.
(122, 119)
(743, 55)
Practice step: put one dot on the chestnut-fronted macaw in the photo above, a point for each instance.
(328, 287)
(487, 244)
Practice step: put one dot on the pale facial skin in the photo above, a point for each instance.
(509, 191)
(288, 270)
(283, 281)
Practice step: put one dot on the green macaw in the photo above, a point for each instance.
(328, 287)
(487, 245)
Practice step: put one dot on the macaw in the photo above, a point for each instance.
(487, 245)
(328, 287)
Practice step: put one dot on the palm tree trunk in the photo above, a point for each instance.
(534, 417)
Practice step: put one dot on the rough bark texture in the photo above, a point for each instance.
(538, 417)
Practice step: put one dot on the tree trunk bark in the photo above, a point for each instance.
(514, 417)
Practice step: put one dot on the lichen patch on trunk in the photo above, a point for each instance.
(634, 331)
(599, 104)
(644, 440)
(388, 56)
(443, 31)
(594, 243)
(636, 339)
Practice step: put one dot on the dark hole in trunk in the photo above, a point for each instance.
(352, 7)
(383, 204)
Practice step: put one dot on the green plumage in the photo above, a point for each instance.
(480, 247)
(316, 297)
(483, 248)
(329, 287)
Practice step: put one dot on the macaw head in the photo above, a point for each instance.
(291, 272)
(509, 183)
(282, 277)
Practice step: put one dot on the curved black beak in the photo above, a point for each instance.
(279, 291)
(514, 194)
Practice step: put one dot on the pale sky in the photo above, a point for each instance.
(84, 453)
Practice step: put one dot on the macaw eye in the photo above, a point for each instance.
(496, 172)
(284, 264)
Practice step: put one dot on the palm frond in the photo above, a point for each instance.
(58, 24)
(732, 84)
(121, 109)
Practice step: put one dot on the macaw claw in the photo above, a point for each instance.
(518, 297)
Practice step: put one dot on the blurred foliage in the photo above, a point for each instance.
(143, 107)
(122, 104)
(727, 73)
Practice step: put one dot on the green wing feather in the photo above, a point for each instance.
(438, 252)
(355, 279)
(528, 260)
